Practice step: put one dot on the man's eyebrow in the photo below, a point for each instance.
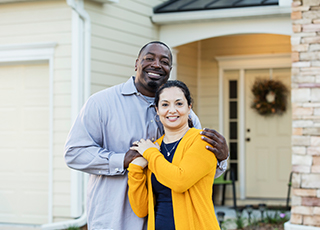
(163, 56)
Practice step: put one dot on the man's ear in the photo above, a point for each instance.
(135, 65)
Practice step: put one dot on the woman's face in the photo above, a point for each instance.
(173, 108)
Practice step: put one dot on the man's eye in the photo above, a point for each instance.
(165, 62)
(149, 59)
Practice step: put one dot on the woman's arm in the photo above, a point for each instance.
(196, 163)
(138, 193)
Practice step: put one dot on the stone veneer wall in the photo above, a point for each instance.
(306, 112)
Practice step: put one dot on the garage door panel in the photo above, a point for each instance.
(31, 196)
(37, 160)
(7, 163)
(8, 119)
(34, 80)
(8, 139)
(35, 140)
(33, 119)
(7, 98)
(40, 98)
(24, 143)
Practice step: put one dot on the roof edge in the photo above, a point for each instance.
(246, 12)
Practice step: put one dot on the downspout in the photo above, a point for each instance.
(81, 90)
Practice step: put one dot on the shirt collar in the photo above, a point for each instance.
(129, 87)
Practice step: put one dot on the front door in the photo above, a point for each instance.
(268, 142)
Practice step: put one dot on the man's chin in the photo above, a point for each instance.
(153, 85)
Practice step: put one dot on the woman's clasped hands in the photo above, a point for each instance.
(142, 145)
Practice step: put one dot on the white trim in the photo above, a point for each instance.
(198, 74)
(174, 71)
(242, 125)
(26, 52)
(254, 61)
(37, 52)
(221, 107)
(241, 63)
(246, 12)
(81, 90)
(288, 226)
(285, 2)
(176, 34)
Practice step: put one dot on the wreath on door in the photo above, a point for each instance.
(270, 97)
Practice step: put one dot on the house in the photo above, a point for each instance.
(55, 53)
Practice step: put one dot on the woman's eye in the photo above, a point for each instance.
(165, 104)
(179, 103)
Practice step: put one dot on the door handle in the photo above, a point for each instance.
(248, 139)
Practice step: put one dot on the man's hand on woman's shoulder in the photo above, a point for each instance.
(220, 147)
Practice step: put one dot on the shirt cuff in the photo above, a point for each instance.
(222, 165)
(116, 164)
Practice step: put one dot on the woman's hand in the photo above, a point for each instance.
(142, 145)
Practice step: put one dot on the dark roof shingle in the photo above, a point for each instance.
(173, 6)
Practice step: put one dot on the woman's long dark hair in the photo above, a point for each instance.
(180, 85)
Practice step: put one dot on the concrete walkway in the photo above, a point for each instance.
(19, 227)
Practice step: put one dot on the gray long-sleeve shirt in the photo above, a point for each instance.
(108, 124)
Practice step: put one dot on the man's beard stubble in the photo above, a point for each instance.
(153, 85)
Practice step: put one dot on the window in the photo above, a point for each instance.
(233, 125)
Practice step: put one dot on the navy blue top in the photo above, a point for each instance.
(163, 208)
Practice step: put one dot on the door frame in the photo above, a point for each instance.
(31, 53)
(242, 63)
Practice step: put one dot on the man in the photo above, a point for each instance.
(111, 120)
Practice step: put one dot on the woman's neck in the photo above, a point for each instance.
(173, 135)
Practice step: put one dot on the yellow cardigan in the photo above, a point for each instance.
(190, 177)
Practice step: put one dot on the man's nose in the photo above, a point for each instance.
(156, 63)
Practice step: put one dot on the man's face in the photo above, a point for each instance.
(153, 68)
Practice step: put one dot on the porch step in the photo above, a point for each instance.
(255, 201)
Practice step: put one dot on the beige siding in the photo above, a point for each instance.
(38, 22)
(206, 78)
(187, 68)
(119, 30)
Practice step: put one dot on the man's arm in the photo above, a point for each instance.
(85, 150)
(220, 147)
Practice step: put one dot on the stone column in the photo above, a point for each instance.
(305, 92)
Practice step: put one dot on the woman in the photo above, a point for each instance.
(175, 190)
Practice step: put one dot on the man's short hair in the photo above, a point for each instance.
(155, 42)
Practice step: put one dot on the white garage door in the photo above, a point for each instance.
(24, 125)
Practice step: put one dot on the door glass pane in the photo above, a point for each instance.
(233, 89)
(233, 109)
(233, 130)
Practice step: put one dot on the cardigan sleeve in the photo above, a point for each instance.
(138, 194)
(197, 162)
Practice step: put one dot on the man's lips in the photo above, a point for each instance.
(155, 76)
